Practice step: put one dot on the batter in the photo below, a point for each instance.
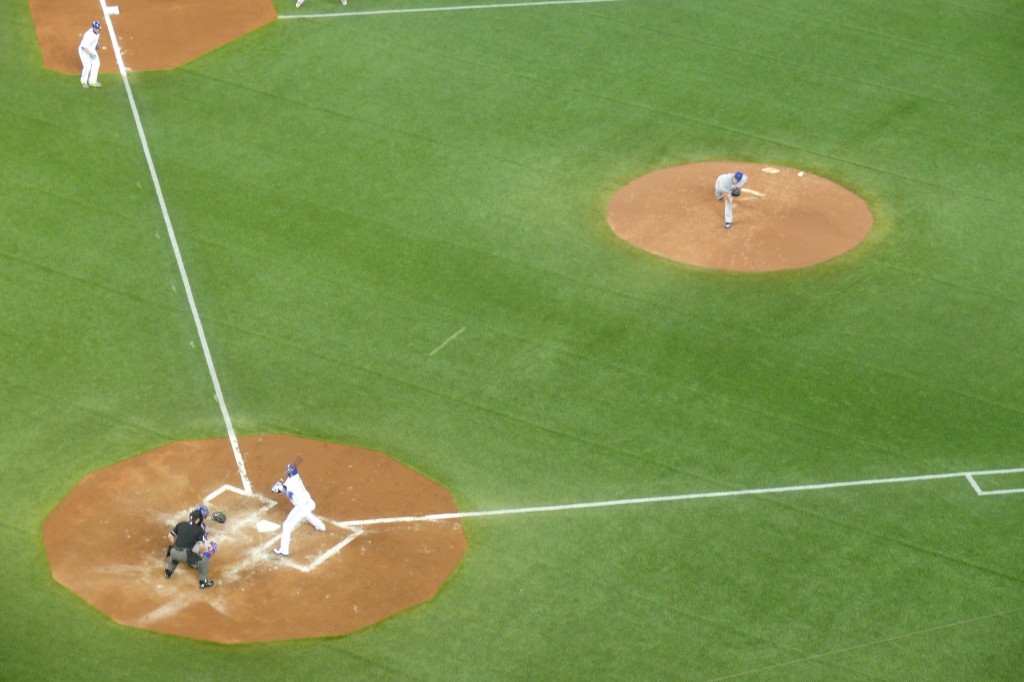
(301, 511)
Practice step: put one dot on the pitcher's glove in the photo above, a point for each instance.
(736, 192)
(278, 488)
(219, 517)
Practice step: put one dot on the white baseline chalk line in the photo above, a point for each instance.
(451, 8)
(690, 496)
(177, 252)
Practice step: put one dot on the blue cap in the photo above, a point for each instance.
(739, 174)
(96, 25)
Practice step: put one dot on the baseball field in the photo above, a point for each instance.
(394, 227)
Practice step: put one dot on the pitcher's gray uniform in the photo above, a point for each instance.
(90, 56)
(726, 187)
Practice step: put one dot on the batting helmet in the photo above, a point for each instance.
(204, 510)
(738, 176)
(291, 470)
(96, 26)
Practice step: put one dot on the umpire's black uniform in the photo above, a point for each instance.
(186, 534)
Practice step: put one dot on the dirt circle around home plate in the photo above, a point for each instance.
(106, 540)
(784, 219)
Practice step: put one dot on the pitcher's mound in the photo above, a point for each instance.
(106, 541)
(784, 219)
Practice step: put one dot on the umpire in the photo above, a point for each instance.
(188, 536)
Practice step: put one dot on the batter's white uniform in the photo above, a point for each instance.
(724, 186)
(303, 510)
(88, 52)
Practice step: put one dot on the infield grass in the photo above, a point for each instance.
(349, 193)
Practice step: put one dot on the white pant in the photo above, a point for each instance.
(90, 67)
(295, 517)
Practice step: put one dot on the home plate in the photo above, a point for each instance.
(265, 526)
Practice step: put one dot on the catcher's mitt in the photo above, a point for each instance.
(219, 517)
(736, 192)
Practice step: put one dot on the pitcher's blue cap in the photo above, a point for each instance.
(739, 174)
(96, 25)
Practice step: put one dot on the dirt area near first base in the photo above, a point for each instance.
(106, 541)
(153, 34)
(784, 219)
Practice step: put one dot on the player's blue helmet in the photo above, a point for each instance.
(96, 25)
(738, 176)
(291, 470)
(204, 510)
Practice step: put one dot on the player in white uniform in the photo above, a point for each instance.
(293, 486)
(726, 187)
(87, 51)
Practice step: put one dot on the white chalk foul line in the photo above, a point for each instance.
(690, 496)
(452, 8)
(107, 13)
(353, 534)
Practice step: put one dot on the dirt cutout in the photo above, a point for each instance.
(784, 218)
(106, 541)
(153, 34)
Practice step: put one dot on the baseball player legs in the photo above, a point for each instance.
(296, 516)
(86, 67)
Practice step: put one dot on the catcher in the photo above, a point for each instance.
(728, 186)
(190, 547)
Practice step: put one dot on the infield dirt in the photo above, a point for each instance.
(106, 541)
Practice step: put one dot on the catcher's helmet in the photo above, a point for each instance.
(291, 470)
(96, 25)
(204, 510)
(738, 176)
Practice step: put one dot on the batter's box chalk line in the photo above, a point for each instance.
(972, 478)
(353, 532)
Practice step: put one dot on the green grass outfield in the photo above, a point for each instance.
(349, 193)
